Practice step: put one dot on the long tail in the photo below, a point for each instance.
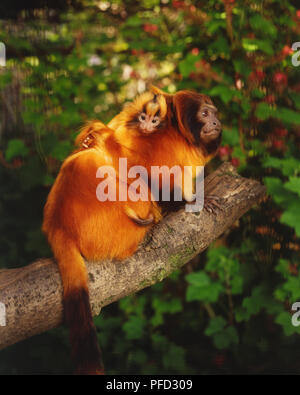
(86, 353)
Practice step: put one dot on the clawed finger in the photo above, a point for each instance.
(211, 204)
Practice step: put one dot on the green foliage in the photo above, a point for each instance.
(223, 337)
(228, 311)
(15, 148)
(202, 288)
(188, 64)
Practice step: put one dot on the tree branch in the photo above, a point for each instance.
(33, 294)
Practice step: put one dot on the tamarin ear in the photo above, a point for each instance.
(185, 107)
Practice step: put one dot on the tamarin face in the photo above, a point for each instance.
(210, 125)
(148, 123)
(196, 113)
(148, 113)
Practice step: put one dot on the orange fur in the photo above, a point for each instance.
(77, 225)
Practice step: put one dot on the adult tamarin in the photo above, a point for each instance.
(80, 226)
(155, 130)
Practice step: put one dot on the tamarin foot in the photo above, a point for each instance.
(211, 203)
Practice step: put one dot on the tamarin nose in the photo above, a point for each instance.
(217, 124)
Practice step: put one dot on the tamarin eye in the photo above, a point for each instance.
(155, 120)
(143, 117)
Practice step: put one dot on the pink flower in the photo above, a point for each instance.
(280, 78)
(235, 162)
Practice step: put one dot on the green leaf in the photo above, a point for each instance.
(224, 91)
(257, 94)
(226, 338)
(291, 286)
(134, 327)
(236, 283)
(209, 293)
(174, 358)
(173, 355)
(220, 46)
(242, 67)
(246, 106)
(253, 45)
(217, 258)
(173, 305)
(276, 189)
(263, 111)
(150, 3)
(215, 25)
(255, 147)
(263, 25)
(296, 99)
(15, 148)
(133, 305)
(288, 166)
(287, 115)
(133, 21)
(293, 185)
(216, 324)
(253, 304)
(291, 217)
(283, 268)
(260, 298)
(198, 279)
(160, 306)
(187, 65)
(285, 320)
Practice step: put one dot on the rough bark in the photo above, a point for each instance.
(33, 295)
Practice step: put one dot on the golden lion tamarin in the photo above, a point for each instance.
(157, 129)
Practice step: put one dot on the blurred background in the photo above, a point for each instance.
(229, 310)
